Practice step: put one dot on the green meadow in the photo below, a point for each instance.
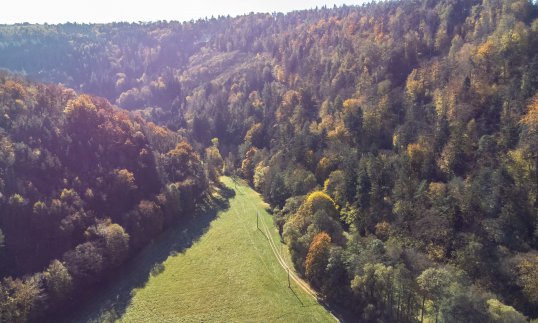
(227, 272)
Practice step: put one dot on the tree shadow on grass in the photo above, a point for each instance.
(109, 301)
(296, 296)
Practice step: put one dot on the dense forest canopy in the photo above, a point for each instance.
(396, 142)
(82, 185)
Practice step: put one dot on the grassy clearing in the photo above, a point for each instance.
(229, 274)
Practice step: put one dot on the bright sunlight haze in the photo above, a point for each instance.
(102, 11)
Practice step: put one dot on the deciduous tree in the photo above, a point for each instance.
(317, 258)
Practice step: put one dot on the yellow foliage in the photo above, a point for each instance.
(20, 104)
(253, 132)
(39, 208)
(16, 199)
(7, 153)
(125, 179)
(415, 151)
(415, 86)
(519, 167)
(235, 98)
(259, 175)
(486, 49)
(255, 99)
(396, 140)
(317, 200)
(440, 102)
(435, 252)
(68, 195)
(514, 38)
(417, 154)
(351, 104)
(335, 186)
(436, 190)
(247, 165)
(290, 101)
(503, 313)
(530, 119)
(327, 123)
(15, 89)
(80, 106)
(280, 74)
(339, 133)
(528, 278)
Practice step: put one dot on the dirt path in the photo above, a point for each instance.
(282, 262)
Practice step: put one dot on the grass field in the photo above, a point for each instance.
(222, 269)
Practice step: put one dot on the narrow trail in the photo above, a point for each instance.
(282, 262)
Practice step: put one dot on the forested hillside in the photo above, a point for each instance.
(82, 185)
(397, 142)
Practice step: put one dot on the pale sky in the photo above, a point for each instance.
(100, 11)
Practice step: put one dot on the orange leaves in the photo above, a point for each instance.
(485, 50)
(183, 152)
(160, 137)
(317, 257)
(530, 119)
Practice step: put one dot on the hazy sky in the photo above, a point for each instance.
(59, 11)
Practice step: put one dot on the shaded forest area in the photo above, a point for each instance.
(82, 186)
(397, 142)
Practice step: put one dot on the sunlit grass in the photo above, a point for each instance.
(229, 274)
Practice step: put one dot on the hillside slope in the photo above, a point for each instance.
(83, 185)
(395, 141)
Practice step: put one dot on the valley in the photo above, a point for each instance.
(229, 273)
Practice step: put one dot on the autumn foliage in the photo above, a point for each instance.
(404, 130)
(81, 189)
(316, 258)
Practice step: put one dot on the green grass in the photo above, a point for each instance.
(229, 274)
